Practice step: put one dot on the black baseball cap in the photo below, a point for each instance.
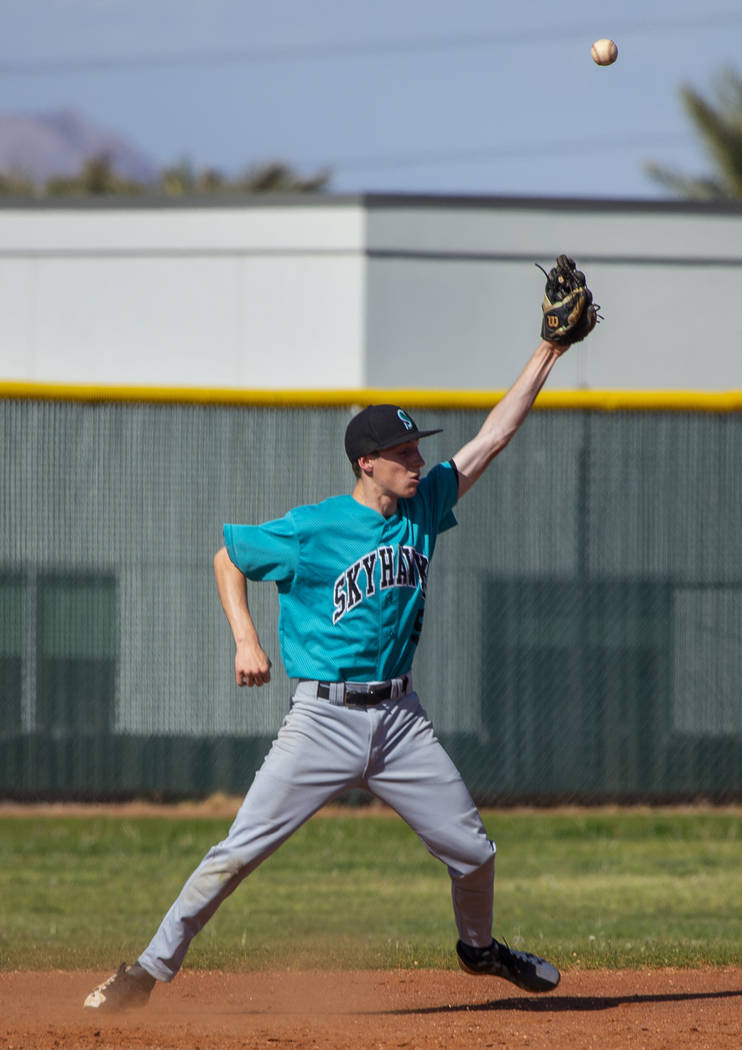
(378, 427)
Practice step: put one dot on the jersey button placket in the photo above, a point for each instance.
(388, 606)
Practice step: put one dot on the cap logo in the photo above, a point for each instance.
(406, 421)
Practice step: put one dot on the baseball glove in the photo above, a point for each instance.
(568, 308)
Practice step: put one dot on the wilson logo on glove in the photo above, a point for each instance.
(569, 313)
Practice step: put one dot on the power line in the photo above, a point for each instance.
(587, 144)
(353, 49)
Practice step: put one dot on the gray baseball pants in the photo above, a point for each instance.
(322, 751)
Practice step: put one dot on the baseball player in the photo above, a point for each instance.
(352, 574)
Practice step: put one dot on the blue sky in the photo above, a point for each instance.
(407, 96)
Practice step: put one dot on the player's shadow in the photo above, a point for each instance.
(568, 1003)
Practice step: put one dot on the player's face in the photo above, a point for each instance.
(397, 470)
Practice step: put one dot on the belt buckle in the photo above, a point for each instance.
(357, 697)
(375, 694)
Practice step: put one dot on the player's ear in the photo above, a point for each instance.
(366, 464)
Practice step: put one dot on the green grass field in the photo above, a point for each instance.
(588, 889)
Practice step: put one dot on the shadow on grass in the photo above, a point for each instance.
(569, 1003)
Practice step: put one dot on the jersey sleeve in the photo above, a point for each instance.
(264, 552)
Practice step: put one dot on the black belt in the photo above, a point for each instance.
(365, 694)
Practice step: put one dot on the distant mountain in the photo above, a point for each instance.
(41, 145)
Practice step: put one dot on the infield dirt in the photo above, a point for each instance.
(381, 1010)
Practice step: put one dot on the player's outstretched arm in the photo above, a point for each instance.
(568, 315)
(251, 664)
(506, 417)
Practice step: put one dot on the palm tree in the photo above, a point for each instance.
(719, 124)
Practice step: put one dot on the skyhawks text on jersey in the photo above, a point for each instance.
(386, 567)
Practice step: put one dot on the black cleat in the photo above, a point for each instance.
(529, 972)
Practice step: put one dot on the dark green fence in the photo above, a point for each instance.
(583, 636)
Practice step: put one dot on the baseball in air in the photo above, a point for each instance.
(604, 52)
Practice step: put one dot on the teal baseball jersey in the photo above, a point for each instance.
(351, 583)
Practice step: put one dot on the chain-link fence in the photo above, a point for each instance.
(583, 635)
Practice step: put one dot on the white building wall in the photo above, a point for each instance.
(454, 297)
(187, 296)
(327, 292)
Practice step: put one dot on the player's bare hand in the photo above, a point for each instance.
(251, 665)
